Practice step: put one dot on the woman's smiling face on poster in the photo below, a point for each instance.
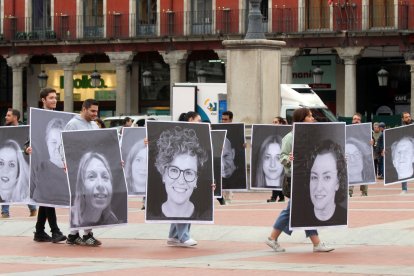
(180, 178)
(324, 182)
(98, 186)
(8, 170)
(139, 170)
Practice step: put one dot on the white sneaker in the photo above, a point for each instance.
(274, 245)
(404, 192)
(188, 243)
(173, 241)
(321, 247)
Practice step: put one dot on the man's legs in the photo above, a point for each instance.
(364, 190)
(404, 187)
(381, 167)
(32, 209)
(40, 234)
(5, 211)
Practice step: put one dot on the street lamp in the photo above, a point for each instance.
(382, 75)
(317, 75)
(42, 79)
(147, 78)
(201, 76)
(95, 79)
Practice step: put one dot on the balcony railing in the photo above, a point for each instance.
(221, 22)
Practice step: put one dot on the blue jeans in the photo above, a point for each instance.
(180, 231)
(404, 186)
(381, 166)
(282, 223)
(5, 209)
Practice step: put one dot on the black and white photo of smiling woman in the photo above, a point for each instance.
(180, 172)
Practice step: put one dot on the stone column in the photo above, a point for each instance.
(253, 79)
(350, 55)
(68, 62)
(121, 60)
(411, 63)
(17, 63)
(287, 56)
(222, 54)
(176, 60)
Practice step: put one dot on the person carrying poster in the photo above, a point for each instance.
(406, 120)
(48, 97)
(84, 121)
(282, 222)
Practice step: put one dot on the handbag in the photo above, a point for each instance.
(286, 186)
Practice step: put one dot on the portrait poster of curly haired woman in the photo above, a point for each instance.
(319, 176)
(180, 173)
(96, 178)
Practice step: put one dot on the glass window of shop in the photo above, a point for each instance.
(154, 87)
(214, 71)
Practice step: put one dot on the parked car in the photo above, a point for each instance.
(137, 120)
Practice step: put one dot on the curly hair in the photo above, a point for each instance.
(365, 150)
(79, 202)
(176, 141)
(260, 176)
(328, 146)
(21, 190)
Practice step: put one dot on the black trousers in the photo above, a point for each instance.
(46, 213)
(276, 194)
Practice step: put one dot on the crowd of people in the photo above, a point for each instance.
(178, 161)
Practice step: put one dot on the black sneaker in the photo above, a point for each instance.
(75, 240)
(58, 237)
(271, 200)
(42, 237)
(90, 240)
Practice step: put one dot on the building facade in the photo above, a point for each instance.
(141, 47)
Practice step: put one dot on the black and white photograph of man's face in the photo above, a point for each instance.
(227, 162)
(403, 157)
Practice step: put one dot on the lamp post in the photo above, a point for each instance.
(317, 75)
(201, 76)
(42, 79)
(382, 75)
(147, 78)
(255, 28)
(95, 79)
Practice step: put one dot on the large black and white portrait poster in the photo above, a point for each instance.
(14, 165)
(48, 183)
(233, 172)
(266, 171)
(319, 195)
(180, 173)
(96, 178)
(360, 157)
(399, 154)
(217, 139)
(135, 154)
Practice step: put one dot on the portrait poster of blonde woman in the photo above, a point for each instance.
(135, 154)
(319, 176)
(96, 178)
(180, 172)
(48, 184)
(14, 165)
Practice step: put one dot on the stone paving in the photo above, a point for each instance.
(378, 241)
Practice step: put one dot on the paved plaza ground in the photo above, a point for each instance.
(378, 241)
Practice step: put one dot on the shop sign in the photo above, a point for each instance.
(83, 83)
(401, 99)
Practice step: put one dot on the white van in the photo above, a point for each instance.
(137, 120)
(301, 95)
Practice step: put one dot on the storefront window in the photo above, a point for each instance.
(146, 17)
(213, 70)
